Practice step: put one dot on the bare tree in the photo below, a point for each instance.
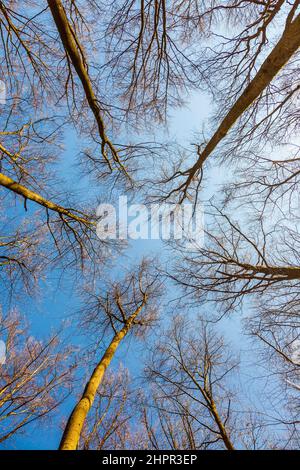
(151, 55)
(75, 55)
(29, 57)
(22, 257)
(254, 268)
(35, 378)
(106, 81)
(126, 306)
(189, 180)
(270, 178)
(26, 157)
(189, 368)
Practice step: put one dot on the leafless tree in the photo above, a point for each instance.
(253, 269)
(27, 180)
(195, 401)
(35, 378)
(189, 368)
(242, 259)
(255, 103)
(151, 55)
(106, 81)
(127, 306)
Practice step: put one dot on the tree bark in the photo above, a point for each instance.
(75, 53)
(227, 442)
(71, 435)
(28, 194)
(288, 44)
(284, 272)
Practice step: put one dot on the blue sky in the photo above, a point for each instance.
(59, 300)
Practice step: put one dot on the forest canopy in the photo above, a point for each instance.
(185, 336)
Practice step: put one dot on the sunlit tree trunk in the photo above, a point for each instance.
(76, 55)
(77, 418)
(33, 196)
(227, 442)
(280, 55)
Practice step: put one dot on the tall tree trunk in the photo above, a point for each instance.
(75, 53)
(210, 404)
(279, 272)
(286, 47)
(227, 442)
(71, 435)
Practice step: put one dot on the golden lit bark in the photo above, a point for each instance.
(71, 436)
(284, 272)
(286, 47)
(28, 194)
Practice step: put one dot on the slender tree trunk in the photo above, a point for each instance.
(227, 442)
(280, 55)
(75, 53)
(71, 435)
(28, 194)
